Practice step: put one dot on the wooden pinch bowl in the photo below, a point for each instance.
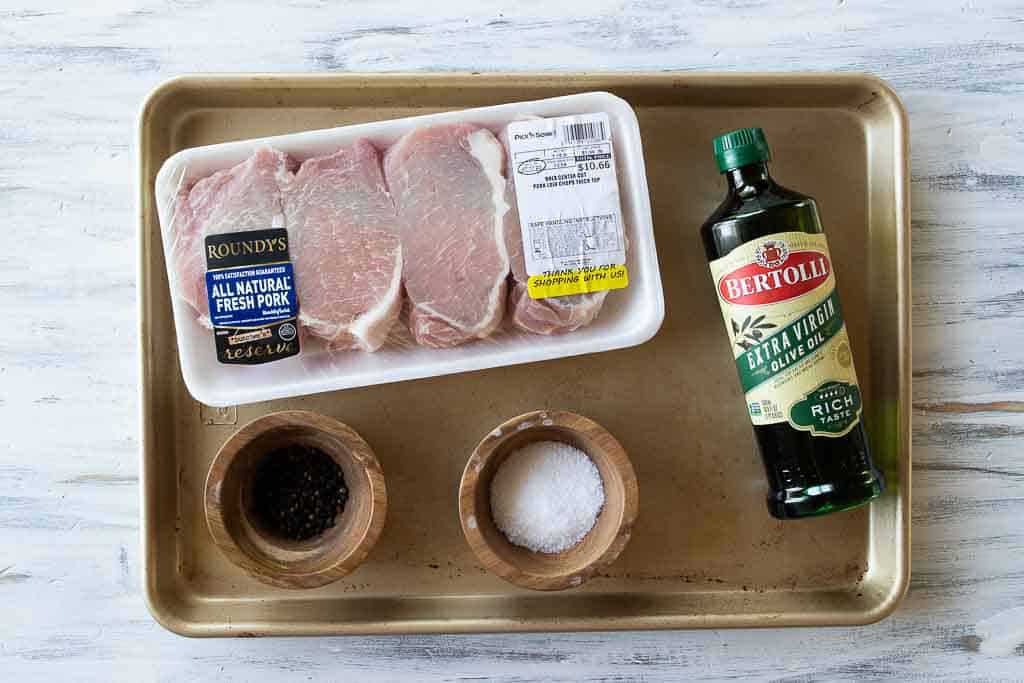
(268, 556)
(599, 548)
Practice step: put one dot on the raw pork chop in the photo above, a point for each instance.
(340, 223)
(556, 315)
(449, 188)
(346, 252)
(245, 197)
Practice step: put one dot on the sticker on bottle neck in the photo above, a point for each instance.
(567, 194)
(250, 286)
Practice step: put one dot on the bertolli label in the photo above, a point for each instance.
(778, 297)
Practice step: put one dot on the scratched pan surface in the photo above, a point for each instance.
(704, 551)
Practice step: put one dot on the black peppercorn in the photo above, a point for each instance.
(298, 491)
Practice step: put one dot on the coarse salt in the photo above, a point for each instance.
(546, 496)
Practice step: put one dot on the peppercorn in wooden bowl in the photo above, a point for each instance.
(599, 547)
(295, 499)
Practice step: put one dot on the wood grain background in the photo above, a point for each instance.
(71, 78)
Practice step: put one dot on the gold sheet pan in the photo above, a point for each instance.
(704, 552)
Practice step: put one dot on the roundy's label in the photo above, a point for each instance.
(778, 297)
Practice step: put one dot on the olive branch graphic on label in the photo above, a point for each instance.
(748, 335)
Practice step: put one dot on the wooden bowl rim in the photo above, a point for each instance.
(485, 451)
(358, 450)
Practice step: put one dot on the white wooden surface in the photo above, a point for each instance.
(71, 77)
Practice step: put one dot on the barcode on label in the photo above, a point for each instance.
(584, 132)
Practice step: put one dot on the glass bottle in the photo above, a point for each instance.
(776, 288)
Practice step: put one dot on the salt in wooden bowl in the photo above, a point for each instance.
(602, 544)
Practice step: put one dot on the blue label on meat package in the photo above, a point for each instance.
(251, 296)
(250, 287)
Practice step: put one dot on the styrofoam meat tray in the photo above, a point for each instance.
(629, 317)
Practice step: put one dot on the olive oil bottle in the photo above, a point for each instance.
(773, 276)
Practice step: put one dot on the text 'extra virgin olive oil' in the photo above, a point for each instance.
(775, 283)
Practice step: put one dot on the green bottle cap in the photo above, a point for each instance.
(741, 147)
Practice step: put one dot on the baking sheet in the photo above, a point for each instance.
(704, 552)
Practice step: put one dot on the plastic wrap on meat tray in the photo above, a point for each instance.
(403, 239)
